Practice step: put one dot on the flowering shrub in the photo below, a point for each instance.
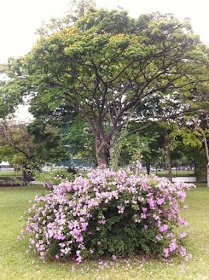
(108, 214)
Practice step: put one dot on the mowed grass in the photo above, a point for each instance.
(16, 264)
(10, 174)
(175, 173)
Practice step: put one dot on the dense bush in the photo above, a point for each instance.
(108, 214)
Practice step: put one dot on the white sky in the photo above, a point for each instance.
(19, 19)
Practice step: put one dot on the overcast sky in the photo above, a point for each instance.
(19, 19)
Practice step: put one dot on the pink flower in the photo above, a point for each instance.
(188, 257)
(143, 216)
(166, 252)
(182, 251)
(182, 235)
(79, 259)
(151, 203)
(173, 246)
(160, 201)
(164, 228)
(158, 237)
(114, 258)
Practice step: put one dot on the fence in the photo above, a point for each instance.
(10, 176)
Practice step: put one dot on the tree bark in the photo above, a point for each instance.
(100, 153)
(208, 175)
(168, 153)
(148, 168)
(207, 155)
(27, 175)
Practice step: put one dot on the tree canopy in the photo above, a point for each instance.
(109, 68)
(26, 151)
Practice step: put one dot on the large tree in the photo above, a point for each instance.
(109, 68)
(197, 134)
(27, 152)
(17, 147)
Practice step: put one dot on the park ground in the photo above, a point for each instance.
(16, 264)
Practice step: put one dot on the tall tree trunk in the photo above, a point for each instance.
(208, 175)
(27, 175)
(207, 155)
(101, 159)
(195, 168)
(168, 154)
(148, 168)
(101, 156)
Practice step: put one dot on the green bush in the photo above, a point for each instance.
(54, 176)
(108, 214)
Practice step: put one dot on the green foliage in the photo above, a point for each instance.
(54, 176)
(17, 147)
(49, 146)
(105, 65)
(120, 234)
(28, 152)
(78, 137)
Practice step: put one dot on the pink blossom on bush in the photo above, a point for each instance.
(173, 245)
(182, 251)
(164, 228)
(114, 258)
(81, 219)
(166, 252)
(182, 235)
(159, 237)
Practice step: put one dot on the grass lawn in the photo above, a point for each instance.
(175, 173)
(16, 264)
(10, 174)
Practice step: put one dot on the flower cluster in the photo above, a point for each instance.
(108, 214)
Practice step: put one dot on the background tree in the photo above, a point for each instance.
(199, 128)
(108, 64)
(17, 147)
(21, 149)
(49, 144)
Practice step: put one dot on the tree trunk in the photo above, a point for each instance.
(208, 175)
(195, 168)
(207, 155)
(101, 160)
(27, 175)
(169, 163)
(101, 157)
(148, 168)
(102, 153)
